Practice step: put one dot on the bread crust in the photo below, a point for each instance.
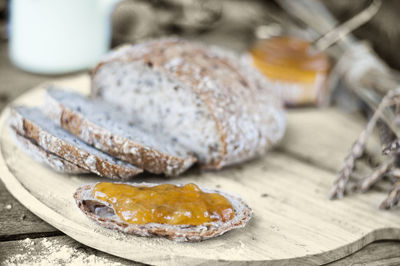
(73, 154)
(42, 156)
(247, 110)
(180, 233)
(122, 148)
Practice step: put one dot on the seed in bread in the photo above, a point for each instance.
(44, 157)
(215, 105)
(34, 125)
(108, 129)
(155, 210)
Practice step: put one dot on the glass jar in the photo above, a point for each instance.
(290, 64)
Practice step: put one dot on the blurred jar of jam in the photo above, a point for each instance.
(291, 65)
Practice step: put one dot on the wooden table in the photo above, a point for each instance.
(24, 237)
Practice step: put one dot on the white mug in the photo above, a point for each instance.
(59, 36)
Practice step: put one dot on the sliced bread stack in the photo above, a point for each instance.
(49, 143)
(74, 134)
(101, 125)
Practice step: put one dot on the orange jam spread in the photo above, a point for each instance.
(288, 58)
(164, 204)
(291, 61)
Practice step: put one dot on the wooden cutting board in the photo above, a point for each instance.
(293, 222)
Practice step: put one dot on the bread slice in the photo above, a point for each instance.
(34, 125)
(103, 126)
(214, 104)
(42, 156)
(103, 214)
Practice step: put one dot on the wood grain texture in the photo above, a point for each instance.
(294, 222)
(382, 253)
(16, 221)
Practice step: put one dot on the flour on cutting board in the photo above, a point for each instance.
(53, 251)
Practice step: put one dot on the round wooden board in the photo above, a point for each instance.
(293, 220)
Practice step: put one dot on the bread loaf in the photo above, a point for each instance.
(34, 125)
(103, 214)
(216, 106)
(103, 126)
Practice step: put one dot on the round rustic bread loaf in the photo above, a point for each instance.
(206, 99)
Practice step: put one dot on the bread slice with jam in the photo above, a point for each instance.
(105, 214)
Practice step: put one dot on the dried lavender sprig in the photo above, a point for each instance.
(358, 148)
(386, 135)
(393, 197)
(392, 147)
(376, 175)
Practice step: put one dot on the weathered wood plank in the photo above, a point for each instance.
(377, 254)
(60, 250)
(16, 221)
